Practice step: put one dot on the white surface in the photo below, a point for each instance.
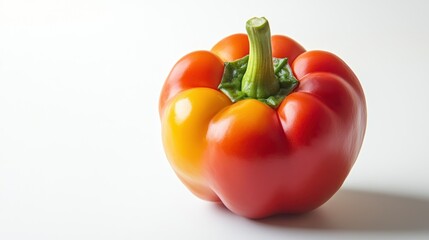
(80, 147)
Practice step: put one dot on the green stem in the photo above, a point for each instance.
(258, 75)
(259, 81)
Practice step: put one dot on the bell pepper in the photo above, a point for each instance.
(262, 125)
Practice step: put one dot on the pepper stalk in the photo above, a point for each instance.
(259, 80)
(258, 75)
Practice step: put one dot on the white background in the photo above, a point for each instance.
(80, 147)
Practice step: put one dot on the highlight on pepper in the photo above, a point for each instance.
(261, 124)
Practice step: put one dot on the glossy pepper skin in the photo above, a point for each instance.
(258, 160)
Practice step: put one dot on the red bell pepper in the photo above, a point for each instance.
(265, 127)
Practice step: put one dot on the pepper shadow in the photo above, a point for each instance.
(359, 210)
